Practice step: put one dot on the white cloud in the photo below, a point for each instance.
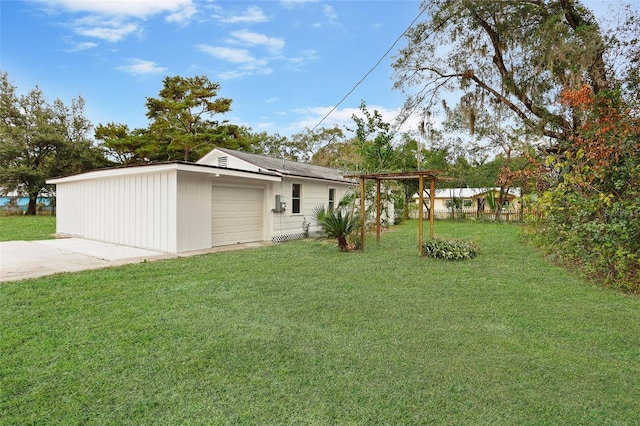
(79, 47)
(131, 8)
(112, 30)
(264, 125)
(243, 48)
(183, 15)
(261, 68)
(142, 67)
(243, 57)
(247, 63)
(332, 17)
(310, 116)
(253, 39)
(304, 58)
(294, 3)
(228, 54)
(232, 75)
(245, 71)
(342, 117)
(115, 20)
(251, 16)
(330, 13)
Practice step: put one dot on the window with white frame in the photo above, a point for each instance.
(296, 198)
(332, 198)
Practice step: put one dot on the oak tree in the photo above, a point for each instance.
(516, 55)
(39, 140)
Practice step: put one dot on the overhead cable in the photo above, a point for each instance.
(368, 72)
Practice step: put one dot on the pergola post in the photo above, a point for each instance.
(432, 202)
(420, 212)
(362, 213)
(378, 211)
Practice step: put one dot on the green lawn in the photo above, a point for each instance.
(27, 228)
(298, 333)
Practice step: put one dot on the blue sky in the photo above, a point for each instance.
(284, 63)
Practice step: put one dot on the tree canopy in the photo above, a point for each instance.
(39, 140)
(512, 55)
(181, 118)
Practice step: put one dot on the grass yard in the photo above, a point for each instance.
(27, 228)
(298, 333)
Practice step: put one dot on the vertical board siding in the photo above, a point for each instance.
(135, 210)
(193, 213)
(164, 210)
(147, 215)
(172, 211)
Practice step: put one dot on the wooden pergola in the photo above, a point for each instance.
(425, 175)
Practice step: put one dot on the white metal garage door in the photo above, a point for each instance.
(236, 215)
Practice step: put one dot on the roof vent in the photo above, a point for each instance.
(222, 161)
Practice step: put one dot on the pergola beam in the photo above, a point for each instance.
(432, 205)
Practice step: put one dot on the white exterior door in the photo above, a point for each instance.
(236, 215)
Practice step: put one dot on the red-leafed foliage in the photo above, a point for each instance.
(591, 206)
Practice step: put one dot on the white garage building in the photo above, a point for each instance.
(227, 197)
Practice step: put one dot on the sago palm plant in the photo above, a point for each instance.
(336, 223)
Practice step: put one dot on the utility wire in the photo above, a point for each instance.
(368, 72)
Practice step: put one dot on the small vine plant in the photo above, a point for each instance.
(439, 248)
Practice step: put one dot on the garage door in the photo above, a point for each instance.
(236, 215)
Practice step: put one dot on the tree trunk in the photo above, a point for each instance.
(342, 243)
(426, 206)
(502, 198)
(31, 209)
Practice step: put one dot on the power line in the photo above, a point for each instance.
(368, 72)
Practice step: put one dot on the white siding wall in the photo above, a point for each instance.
(194, 212)
(137, 210)
(314, 193)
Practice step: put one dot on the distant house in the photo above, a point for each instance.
(227, 197)
(472, 200)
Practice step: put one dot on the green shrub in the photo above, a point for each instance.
(336, 223)
(439, 248)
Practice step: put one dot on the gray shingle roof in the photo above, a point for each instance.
(287, 167)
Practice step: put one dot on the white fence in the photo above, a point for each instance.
(471, 214)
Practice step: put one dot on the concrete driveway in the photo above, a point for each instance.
(30, 259)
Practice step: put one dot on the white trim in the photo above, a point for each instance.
(155, 168)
